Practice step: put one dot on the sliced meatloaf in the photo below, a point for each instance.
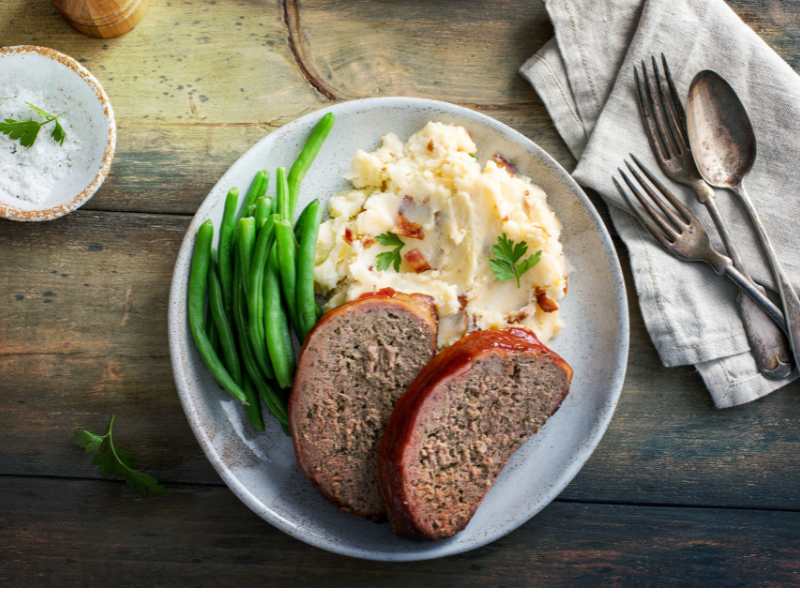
(355, 364)
(454, 429)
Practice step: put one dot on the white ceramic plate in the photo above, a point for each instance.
(261, 470)
(88, 110)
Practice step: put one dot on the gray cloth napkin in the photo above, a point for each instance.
(585, 78)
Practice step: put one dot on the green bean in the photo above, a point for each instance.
(258, 187)
(208, 324)
(223, 327)
(300, 224)
(306, 303)
(264, 209)
(276, 406)
(307, 155)
(254, 287)
(198, 284)
(225, 242)
(265, 391)
(253, 408)
(278, 337)
(211, 331)
(245, 241)
(282, 194)
(286, 247)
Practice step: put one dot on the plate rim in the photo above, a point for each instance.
(578, 460)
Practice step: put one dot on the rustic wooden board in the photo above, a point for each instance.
(83, 322)
(61, 532)
(84, 336)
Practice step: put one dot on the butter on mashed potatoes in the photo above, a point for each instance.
(449, 212)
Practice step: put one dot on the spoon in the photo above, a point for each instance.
(724, 147)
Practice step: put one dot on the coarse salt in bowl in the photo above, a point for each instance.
(50, 179)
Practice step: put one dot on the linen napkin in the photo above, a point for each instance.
(585, 79)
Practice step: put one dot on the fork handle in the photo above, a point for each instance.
(768, 344)
(748, 287)
(789, 297)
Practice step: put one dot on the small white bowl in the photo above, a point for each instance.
(46, 69)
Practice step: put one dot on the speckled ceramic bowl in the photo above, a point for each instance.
(46, 69)
(261, 470)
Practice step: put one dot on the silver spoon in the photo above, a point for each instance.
(724, 147)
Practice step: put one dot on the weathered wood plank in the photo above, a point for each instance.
(171, 168)
(368, 48)
(83, 332)
(215, 62)
(777, 21)
(66, 533)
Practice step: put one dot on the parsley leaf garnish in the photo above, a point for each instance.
(384, 260)
(41, 112)
(27, 131)
(58, 133)
(506, 262)
(115, 461)
(24, 131)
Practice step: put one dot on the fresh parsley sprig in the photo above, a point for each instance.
(506, 263)
(27, 131)
(115, 461)
(384, 260)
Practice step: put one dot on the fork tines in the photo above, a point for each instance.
(655, 207)
(662, 111)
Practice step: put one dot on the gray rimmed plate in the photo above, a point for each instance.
(260, 469)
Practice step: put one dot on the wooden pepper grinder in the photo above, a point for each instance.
(102, 18)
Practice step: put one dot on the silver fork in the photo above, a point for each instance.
(664, 121)
(680, 233)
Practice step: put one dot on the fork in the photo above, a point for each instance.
(664, 122)
(681, 234)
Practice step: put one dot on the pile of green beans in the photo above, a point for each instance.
(248, 296)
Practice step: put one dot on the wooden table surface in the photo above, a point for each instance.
(677, 492)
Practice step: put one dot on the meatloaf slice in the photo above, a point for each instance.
(355, 364)
(457, 425)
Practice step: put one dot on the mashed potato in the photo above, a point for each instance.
(448, 211)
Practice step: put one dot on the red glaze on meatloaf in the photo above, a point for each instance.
(461, 419)
(357, 361)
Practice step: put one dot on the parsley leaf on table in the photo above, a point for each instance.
(505, 265)
(27, 131)
(115, 461)
(391, 258)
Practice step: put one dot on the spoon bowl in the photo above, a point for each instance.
(720, 132)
